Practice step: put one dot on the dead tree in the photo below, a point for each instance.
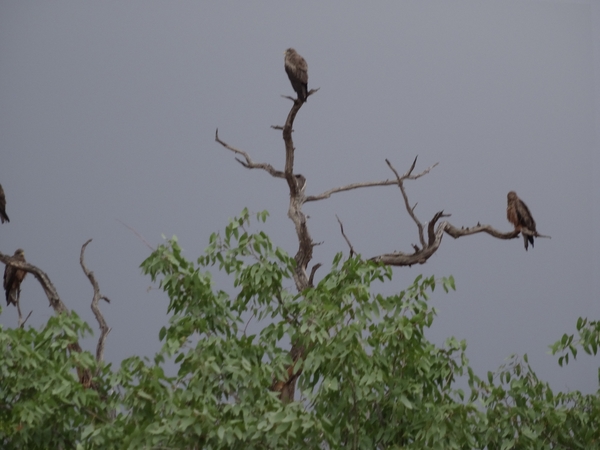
(430, 237)
(84, 375)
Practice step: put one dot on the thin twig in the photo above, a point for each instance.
(296, 100)
(26, 318)
(409, 209)
(249, 164)
(18, 303)
(327, 194)
(312, 273)
(352, 252)
(348, 187)
(248, 323)
(134, 231)
(104, 329)
(534, 233)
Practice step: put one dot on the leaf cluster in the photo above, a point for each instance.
(368, 375)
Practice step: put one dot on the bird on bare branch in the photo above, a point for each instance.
(519, 215)
(13, 278)
(297, 71)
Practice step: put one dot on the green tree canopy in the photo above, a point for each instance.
(369, 377)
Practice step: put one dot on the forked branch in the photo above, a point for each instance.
(429, 246)
(435, 235)
(352, 252)
(348, 187)
(104, 329)
(409, 209)
(248, 163)
(296, 184)
(420, 256)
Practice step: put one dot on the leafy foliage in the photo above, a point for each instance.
(370, 377)
(42, 403)
(589, 340)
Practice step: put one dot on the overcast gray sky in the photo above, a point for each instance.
(109, 111)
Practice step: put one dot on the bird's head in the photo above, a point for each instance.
(512, 195)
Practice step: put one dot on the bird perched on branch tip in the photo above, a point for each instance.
(297, 71)
(519, 215)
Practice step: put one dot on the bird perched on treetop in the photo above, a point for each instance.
(297, 71)
(519, 215)
(13, 278)
(3, 216)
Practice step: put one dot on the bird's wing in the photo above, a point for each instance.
(524, 215)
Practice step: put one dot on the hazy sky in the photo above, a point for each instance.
(109, 111)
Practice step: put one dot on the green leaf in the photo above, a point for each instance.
(405, 402)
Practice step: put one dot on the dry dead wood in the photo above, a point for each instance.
(104, 328)
(85, 376)
(430, 234)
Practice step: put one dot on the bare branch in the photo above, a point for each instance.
(327, 194)
(248, 163)
(412, 166)
(312, 273)
(287, 388)
(304, 253)
(352, 252)
(43, 279)
(407, 176)
(411, 210)
(296, 184)
(431, 226)
(435, 239)
(312, 91)
(248, 323)
(534, 233)
(136, 233)
(18, 302)
(104, 329)
(308, 94)
(26, 318)
(459, 232)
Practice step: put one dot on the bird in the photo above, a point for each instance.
(519, 215)
(13, 278)
(297, 71)
(3, 216)
(300, 182)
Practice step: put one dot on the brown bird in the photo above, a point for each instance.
(13, 278)
(519, 215)
(297, 71)
(3, 216)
